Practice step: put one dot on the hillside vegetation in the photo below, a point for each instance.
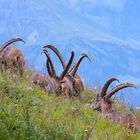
(28, 113)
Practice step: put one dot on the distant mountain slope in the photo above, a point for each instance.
(75, 26)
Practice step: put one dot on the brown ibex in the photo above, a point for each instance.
(78, 83)
(73, 78)
(55, 84)
(12, 57)
(39, 78)
(104, 104)
(51, 82)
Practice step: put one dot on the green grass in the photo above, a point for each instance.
(28, 113)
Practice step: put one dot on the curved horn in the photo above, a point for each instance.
(67, 66)
(57, 53)
(72, 68)
(78, 63)
(119, 87)
(51, 63)
(49, 68)
(10, 42)
(106, 85)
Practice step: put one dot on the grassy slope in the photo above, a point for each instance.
(27, 112)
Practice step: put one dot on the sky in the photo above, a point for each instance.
(108, 30)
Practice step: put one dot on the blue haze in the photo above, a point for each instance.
(107, 30)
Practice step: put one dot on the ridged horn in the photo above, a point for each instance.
(106, 85)
(49, 68)
(117, 88)
(56, 51)
(10, 42)
(51, 63)
(72, 68)
(76, 65)
(67, 66)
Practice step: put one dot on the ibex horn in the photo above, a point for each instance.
(10, 42)
(106, 85)
(51, 63)
(78, 63)
(56, 51)
(67, 66)
(49, 68)
(119, 87)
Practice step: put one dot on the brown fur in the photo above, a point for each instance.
(39, 78)
(56, 81)
(127, 118)
(104, 105)
(67, 82)
(72, 85)
(12, 57)
(78, 83)
(67, 86)
(49, 84)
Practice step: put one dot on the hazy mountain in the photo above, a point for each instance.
(79, 25)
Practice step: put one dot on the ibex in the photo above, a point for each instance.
(58, 81)
(39, 78)
(51, 82)
(78, 83)
(72, 78)
(104, 104)
(54, 83)
(12, 57)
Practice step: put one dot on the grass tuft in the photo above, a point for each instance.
(28, 113)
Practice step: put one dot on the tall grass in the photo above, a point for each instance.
(28, 113)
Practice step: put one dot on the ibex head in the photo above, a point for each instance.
(103, 99)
